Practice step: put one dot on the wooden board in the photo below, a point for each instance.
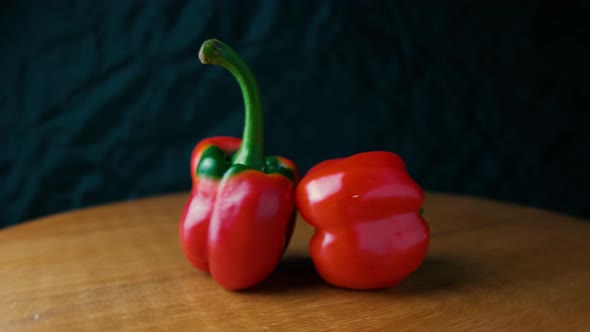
(491, 267)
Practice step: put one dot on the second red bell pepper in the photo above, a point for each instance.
(367, 213)
(241, 212)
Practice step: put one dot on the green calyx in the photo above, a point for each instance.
(274, 166)
(216, 164)
(251, 151)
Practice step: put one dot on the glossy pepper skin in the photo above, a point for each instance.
(241, 212)
(366, 210)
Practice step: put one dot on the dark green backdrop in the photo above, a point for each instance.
(104, 100)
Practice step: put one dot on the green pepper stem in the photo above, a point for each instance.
(251, 152)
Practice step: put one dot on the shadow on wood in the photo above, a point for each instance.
(436, 274)
(440, 274)
(293, 272)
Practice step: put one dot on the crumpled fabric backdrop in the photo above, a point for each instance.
(104, 101)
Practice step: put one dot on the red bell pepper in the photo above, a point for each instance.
(241, 212)
(367, 212)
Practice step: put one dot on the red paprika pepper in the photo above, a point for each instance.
(367, 213)
(241, 212)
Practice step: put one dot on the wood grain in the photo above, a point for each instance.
(491, 267)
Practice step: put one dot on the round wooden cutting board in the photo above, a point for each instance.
(491, 267)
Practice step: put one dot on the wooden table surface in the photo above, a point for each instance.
(119, 267)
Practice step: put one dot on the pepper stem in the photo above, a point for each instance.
(251, 151)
